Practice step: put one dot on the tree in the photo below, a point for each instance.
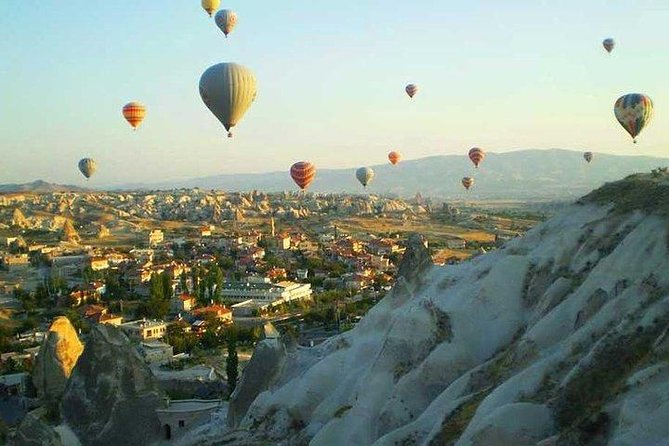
(166, 283)
(232, 362)
(156, 288)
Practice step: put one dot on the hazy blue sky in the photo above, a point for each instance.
(501, 75)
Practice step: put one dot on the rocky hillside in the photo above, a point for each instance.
(558, 338)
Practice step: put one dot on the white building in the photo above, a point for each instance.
(144, 329)
(155, 237)
(266, 292)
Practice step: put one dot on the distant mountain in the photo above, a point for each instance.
(39, 187)
(526, 174)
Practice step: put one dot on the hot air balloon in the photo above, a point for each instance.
(411, 90)
(476, 155)
(228, 89)
(364, 175)
(588, 156)
(394, 157)
(226, 20)
(134, 113)
(633, 111)
(87, 166)
(210, 6)
(303, 173)
(467, 182)
(608, 44)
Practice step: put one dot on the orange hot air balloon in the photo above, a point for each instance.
(303, 173)
(394, 157)
(476, 155)
(467, 182)
(134, 113)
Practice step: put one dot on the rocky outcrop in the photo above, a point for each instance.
(69, 233)
(35, 431)
(19, 220)
(112, 396)
(56, 359)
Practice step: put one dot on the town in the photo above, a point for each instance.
(196, 278)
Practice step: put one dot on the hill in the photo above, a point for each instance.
(558, 338)
(521, 175)
(38, 187)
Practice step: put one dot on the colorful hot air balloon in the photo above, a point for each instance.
(226, 20)
(210, 6)
(303, 173)
(608, 44)
(87, 166)
(228, 89)
(134, 113)
(633, 111)
(364, 175)
(588, 156)
(411, 90)
(467, 182)
(476, 155)
(394, 157)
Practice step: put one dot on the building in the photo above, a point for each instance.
(99, 263)
(156, 352)
(457, 243)
(181, 416)
(144, 329)
(185, 302)
(266, 292)
(302, 274)
(16, 260)
(98, 314)
(156, 237)
(220, 312)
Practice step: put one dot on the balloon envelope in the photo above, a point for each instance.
(633, 111)
(226, 20)
(467, 182)
(364, 175)
(228, 89)
(134, 113)
(608, 44)
(394, 157)
(303, 173)
(210, 6)
(588, 156)
(411, 90)
(87, 167)
(476, 155)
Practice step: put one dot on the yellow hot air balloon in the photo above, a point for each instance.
(228, 89)
(210, 6)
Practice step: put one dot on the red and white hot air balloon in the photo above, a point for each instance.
(394, 157)
(411, 90)
(476, 155)
(134, 113)
(303, 173)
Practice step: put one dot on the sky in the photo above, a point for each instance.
(331, 75)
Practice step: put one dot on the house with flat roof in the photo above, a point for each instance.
(144, 329)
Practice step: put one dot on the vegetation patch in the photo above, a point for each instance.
(456, 423)
(342, 410)
(640, 192)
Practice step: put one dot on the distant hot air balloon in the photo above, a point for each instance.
(226, 20)
(411, 90)
(210, 6)
(476, 155)
(394, 157)
(608, 44)
(228, 89)
(588, 156)
(467, 182)
(134, 113)
(364, 175)
(633, 111)
(303, 173)
(87, 166)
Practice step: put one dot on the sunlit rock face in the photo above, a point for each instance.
(112, 396)
(56, 359)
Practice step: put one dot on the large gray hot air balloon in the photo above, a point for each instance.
(228, 89)
(87, 166)
(226, 20)
(364, 175)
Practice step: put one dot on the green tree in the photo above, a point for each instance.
(166, 283)
(156, 288)
(232, 362)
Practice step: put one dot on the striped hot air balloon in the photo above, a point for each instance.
(633, 111)
(411, 90)
(87, 167)
(210, 6)
(467, 182)
(608, 44)
(476, 155)
(588, 156)
(226, 20)
(228, 89)
(364, 175)
(134, 113)
(394, 157)
(303, 173)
